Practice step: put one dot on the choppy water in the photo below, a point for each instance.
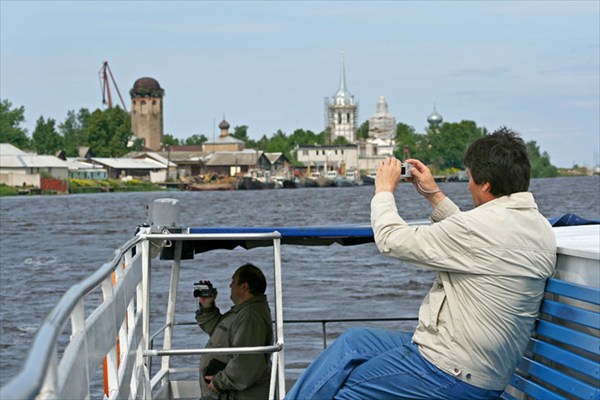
(48, 243)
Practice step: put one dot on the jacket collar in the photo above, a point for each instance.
(261, 298)
(520, 200)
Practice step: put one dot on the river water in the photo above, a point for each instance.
(48, 243)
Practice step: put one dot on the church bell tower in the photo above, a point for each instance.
(341, 112)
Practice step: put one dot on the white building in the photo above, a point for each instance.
(341, 112)
(18, 168)
(324, 158)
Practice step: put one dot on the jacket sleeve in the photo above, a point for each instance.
(440, 246)
(209, 319)
(244, 369)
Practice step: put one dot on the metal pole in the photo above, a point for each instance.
(279, 314)
(167, 341)
(146, 279)
(168, 160)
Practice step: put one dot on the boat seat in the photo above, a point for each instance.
(562, 360)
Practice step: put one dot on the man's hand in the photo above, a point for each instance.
(388, 175)
(207, 302)
(424, 182)
(211, 387)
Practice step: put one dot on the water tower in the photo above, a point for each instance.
(147, 112)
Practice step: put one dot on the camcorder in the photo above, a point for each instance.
(204, 289)
(405, 170)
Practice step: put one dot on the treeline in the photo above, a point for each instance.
(108, 133)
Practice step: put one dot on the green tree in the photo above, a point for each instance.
(339, 140)
(241, 133)
(279, 142)
(300, 136)
(262, 143)
(73, 131)
(195, 140)
(540, 162)
(109, 132)
(45, 138)
(363, 130)
(169, 140)
(406, 138)
(10, 129)
(449, 142)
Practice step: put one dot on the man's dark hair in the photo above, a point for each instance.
(253, 276)
(501, 160)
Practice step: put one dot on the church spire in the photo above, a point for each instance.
(342, 74)
(343, 96)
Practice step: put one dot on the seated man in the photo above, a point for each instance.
(247, 324)
(474, 324)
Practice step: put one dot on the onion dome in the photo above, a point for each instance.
(224, 125)
(434, 118)
(146, 87)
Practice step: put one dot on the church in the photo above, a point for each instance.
(341, 120)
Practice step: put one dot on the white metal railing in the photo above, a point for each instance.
(162, 376)
(117, 330)
(45, 374)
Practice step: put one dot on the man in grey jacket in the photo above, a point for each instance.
(491, 262)
(248, 323)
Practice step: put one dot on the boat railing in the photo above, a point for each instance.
(115, 334)
(322, 321)
(44, 375)
(162, 377)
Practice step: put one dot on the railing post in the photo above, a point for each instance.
(170, 319)
(111, 362)
(78, 328)
(50, 386)
(279, 314)
(146, 280)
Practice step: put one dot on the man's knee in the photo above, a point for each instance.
(355, 334)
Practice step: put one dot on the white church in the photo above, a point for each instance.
(341, 120)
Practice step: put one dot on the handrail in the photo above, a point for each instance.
(211, 236)
(28, 382)
(322, 321)
(224, 350)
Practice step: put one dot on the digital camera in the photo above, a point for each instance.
(204, 289)
(405, 170)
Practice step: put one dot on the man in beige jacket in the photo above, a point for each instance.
(492, 263)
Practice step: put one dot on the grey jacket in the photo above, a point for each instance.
(492, 263)
(246, 376)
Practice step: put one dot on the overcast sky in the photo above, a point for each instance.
(532, 66)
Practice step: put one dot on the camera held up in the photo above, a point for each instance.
(405, 171)
(204, 289)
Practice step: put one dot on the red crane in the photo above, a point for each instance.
(104, 73)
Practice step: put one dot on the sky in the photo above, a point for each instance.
(532, 66)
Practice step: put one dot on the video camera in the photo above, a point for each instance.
(204, 289)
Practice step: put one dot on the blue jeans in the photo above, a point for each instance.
(379, 364)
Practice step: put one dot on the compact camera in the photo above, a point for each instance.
(405, 170)
(204, 289)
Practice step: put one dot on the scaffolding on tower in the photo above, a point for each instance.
(104, 73)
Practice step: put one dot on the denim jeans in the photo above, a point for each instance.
(379, 364)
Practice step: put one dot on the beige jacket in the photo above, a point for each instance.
(492, 263)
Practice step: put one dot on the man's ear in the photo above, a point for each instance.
(486, 187)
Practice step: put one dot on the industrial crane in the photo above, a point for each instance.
(103, 74)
